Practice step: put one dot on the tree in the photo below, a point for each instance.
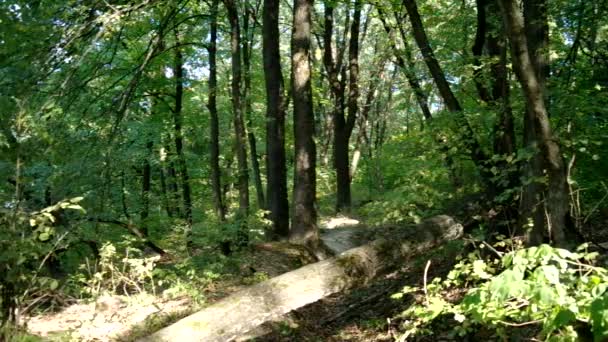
(556, 191)
(304, 228)
(276, 172)
(449, 99)
(214, 131)
(239, 123)
(248, 42)
(336, 71)
(490, 38)
(407, 65)
(178, 135)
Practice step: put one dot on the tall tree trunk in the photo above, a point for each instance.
(123, 196)
(276, 172)
(216, 184)
(490, 34)
(364, 117)
(407, 65)
(304, 228)
(342, 126)
(165, 194)
(449, 99)
(145, 189)
(177, 122)
(239, 126)
(173, 185)
(341, 146)
(532, 212)
(255, 164)
(556, 190)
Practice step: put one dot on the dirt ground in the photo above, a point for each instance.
(357, 315)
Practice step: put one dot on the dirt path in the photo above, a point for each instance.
(341, 233)
(113, 318)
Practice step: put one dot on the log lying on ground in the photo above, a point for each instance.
(245, 310)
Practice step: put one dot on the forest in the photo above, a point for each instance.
(299, 170)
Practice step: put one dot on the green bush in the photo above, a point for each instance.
(559, 292)
(27, 242)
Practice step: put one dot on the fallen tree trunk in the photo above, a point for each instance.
(269, 300)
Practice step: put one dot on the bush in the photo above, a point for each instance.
(27, 241)
(560, 293)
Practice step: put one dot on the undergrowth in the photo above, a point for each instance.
(502, 290)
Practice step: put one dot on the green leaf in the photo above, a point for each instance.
(44, 236)
(550, 273)
(545, 295)
(479, 267)
(507, 284)
(599, 318)
(563, 318)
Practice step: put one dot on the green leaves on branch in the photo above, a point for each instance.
(558, 292)
(27, 241)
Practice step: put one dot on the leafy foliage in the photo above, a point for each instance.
(27, 241)
(561, 292)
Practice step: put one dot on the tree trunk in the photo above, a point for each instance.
(449, 99)
(407, 65)
(531, 211)
(276, 171)
(145, 188)
(165, 194)
(341, 132)
(216, 184)
(239, 127)
(341, 145)
(556, 191)
(123, 196)
(490, 34)
(304, 228)
(177, 122)
(364, 118)
(255, 164)
(275, 297)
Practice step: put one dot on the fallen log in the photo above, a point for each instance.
(247, 309)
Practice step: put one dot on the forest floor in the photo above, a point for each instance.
(356, 315)
(363, 314)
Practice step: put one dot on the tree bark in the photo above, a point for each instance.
(276, 170)
(165, 194)
(177, 122)
(449, 99)
(556, 191)
(239, 126)
(255, 164)
(407, 65)
(531, 210)
(145, 188)
(364, 117)
(304, 228)
(275, 297)
(495, 93)
(342, 127)
(342, 135)
(216, 184)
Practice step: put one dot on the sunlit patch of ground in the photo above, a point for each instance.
(105, 319)
(125, 318)
(338, 222)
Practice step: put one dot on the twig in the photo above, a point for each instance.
(520, 324)
(426, 270)
(499, 254)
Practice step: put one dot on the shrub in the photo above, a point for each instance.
(559, 292)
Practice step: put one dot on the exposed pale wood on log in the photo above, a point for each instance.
(245, 310)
